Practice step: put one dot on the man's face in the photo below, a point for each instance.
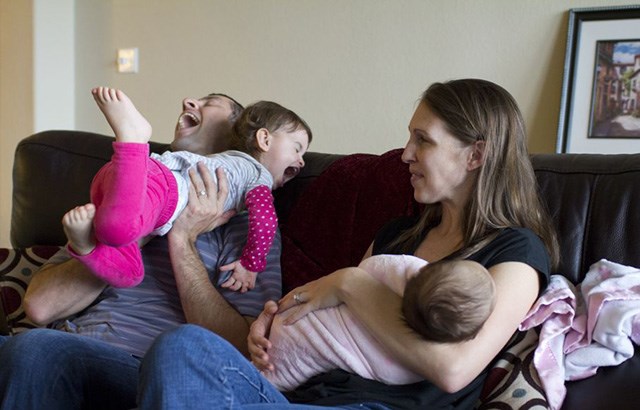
(203, 127)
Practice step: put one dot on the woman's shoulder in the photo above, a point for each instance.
(519, 234)
(516, 242)
(516, 245)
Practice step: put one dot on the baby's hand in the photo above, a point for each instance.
(241, 279)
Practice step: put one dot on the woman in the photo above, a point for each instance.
(469, 165)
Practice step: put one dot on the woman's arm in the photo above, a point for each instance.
(449, 366)
(60, 290)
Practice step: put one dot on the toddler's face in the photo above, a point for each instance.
(284, 157)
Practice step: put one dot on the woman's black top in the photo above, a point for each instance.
(338, 387)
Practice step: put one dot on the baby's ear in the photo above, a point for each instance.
(263, 138)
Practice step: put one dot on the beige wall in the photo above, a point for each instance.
(352, 68)
(16, 95)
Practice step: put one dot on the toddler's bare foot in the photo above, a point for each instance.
(78, 226)
(123, 117)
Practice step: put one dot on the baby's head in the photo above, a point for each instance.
(448, 301)
(274, 135)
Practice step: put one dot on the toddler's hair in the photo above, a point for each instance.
(263, 114)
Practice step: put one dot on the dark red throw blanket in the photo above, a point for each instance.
(336, 218)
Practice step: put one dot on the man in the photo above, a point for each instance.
(97, 367)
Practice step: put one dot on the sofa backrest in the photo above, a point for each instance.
(592, 199)
(331, 211)
(52, 172)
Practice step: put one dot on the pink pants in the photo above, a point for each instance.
(133, 195)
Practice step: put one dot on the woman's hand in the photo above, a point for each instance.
(204, 211)
(318, 294)
(257, 340)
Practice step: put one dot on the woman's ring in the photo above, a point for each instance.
(296, 298)
(202, 193)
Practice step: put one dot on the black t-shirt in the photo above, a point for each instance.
(338, 387)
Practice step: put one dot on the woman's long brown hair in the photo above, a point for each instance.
(505, 193)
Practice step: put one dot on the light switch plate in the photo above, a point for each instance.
(127, 60)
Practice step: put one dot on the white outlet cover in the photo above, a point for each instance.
(127, 60)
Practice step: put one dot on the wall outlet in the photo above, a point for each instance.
(127, 60)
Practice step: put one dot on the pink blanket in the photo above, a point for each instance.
(584, 329)
(333, 339)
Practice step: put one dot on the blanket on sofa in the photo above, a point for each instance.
(586, 328)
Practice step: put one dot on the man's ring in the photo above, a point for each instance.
(296, 298)
(202, 193)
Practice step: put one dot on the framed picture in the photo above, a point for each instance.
(600, 105)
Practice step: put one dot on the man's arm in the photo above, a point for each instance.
(202, 303)
(59, 290)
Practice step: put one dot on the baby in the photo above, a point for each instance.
(446, 302)
(135, 195)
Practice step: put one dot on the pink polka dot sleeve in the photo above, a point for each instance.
(263, 223)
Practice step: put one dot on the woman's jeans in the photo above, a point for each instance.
(51, 369)
(193, 368)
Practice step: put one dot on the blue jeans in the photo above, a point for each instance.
(193, 368)
(51, 369)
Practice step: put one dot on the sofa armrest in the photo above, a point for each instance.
(17, 267)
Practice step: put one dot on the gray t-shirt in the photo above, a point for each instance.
(131, 318)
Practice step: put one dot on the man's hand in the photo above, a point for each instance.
(204, 211)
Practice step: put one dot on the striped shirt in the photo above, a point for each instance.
(131, 318)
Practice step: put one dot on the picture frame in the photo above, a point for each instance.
(600, 100)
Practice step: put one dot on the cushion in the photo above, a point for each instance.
(333, 223)
(513, 381)
(17, 267)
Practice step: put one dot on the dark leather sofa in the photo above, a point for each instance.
(592, 199)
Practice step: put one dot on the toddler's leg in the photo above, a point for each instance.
(78, 226)
(118, 266)
(123, 117)
(125, 201)
(119, 192)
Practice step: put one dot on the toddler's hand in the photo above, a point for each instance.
(241, 279)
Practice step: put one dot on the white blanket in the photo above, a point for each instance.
(332, 338)
(583, 329)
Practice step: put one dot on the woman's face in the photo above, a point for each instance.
(439, 163)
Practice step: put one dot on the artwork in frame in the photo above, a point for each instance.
(600, 105)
